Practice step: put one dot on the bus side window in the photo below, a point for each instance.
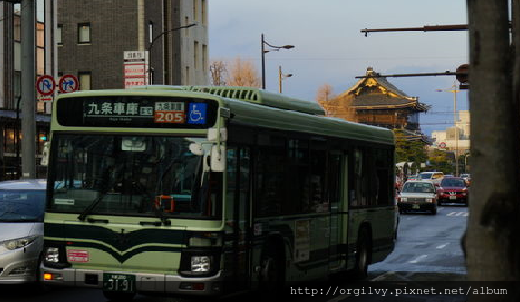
(318, 202)
(334, 179)
(356, 192)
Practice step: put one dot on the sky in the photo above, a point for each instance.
(330, 49)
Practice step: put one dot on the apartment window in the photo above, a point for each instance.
(205, 63)
(186, 22)
(84, 35)
(196, 55)
(40, 107)
(17, 84)
(58, 34)
(187, 76)
(196, 10)
(204, 12)
(85, 80)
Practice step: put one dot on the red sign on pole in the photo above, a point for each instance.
(68, 83)
(45, 85)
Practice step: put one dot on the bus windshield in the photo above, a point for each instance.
(131, 175)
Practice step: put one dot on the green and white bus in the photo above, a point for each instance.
(197, 190)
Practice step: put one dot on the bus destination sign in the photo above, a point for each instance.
(131, 111)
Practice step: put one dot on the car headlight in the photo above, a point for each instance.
(429, 199)
(200, 263)
(18, 243)
(52, 254)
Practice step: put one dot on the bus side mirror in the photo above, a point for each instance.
(217, 160)
(45, 157)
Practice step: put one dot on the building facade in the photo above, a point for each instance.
(10, 86)
(93, 35)
(457, 137)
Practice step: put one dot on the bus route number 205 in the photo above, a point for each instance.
(174, 117)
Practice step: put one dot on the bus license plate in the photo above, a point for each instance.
(119, 283)
(416, 206)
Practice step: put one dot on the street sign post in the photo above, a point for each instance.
(135, 68)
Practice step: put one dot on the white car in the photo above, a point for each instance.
(418, 195)
(22, 207)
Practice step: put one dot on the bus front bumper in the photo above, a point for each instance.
(152, 283)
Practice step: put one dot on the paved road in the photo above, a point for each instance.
(427, 248)
(428, 243)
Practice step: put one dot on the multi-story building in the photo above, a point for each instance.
(93, 35)
(457, 137)
(10, 85)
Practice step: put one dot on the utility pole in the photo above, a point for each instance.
(28, 23)
(492, 245)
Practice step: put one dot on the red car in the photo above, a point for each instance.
(453, 189)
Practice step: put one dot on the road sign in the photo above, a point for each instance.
(68, 83)
(45, 85)
(442, 145)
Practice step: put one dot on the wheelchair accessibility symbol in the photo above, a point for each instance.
(197, 113)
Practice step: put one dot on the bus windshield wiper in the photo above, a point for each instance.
(91, 207)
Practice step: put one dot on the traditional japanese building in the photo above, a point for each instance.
(375, 101)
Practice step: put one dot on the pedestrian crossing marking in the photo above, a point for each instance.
(463, 214)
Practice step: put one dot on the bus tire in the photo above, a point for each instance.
(272, 273)
(362, 255)
(118, 297)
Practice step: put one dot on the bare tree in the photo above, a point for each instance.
(218, 71)
(336, 106)
(325, 93)
(492, 245)
(243, 73)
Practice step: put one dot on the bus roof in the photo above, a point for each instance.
(265, 109)
(250, 94)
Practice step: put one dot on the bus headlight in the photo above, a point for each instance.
(200, 263)
(52, 255)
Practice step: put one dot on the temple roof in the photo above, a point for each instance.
(374, 92)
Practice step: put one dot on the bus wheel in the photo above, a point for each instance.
(118, 297)
(362, 255)
(272, 273)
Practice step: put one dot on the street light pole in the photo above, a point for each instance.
(456, 130)
(149, 49)
(281, 77)
(264, 51)
(454, 91)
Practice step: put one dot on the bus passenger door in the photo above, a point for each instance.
(337, 195)
(238, 216)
